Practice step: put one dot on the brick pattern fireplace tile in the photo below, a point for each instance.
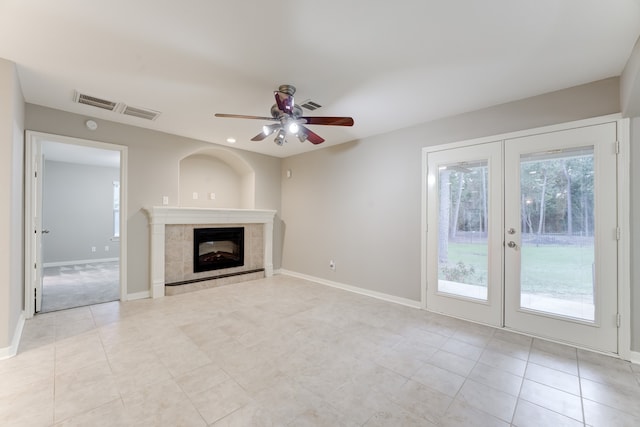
(179, 251)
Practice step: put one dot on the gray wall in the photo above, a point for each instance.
(11, 203)
(153, 172)
(630, 84)
(630, 106)
(77, 209)
(360, 203)
(203, 174)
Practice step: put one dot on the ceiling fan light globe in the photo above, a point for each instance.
(293, 127)
(280, 137)
(269, 129)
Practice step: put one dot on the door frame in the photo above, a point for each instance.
(623, 206)
(34, 139)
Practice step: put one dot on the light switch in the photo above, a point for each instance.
(165, 200)
(195, 196)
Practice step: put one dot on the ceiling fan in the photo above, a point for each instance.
(289, 119)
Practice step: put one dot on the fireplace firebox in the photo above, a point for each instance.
(217, 248)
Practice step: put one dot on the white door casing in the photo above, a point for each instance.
(37, 231)
(33, 213)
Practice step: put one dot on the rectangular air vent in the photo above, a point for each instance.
(93, 101)
(116, 107)
(310, 105)
(141, 113)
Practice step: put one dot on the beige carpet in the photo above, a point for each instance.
(79, 285)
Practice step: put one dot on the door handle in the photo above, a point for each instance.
(45, 231)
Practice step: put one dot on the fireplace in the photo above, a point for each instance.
(217, 248)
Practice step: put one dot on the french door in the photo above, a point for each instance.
(465, 262)
(522, 234)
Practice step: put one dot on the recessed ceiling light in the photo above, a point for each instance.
(231, 140)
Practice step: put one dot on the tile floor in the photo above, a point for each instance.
(286, 352)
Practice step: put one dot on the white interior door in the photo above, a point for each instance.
(37, 231)
(560, 234)
(464, 239)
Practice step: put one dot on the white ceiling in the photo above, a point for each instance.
(79, 154)
(388, 64)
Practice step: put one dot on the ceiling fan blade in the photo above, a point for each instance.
(241, 116)
(331, 121)
(266, 131)
(312, 137)
(284, 101)
(259, 137)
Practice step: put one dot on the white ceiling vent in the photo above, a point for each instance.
(93, 101)
(116, 107)
(141, 113)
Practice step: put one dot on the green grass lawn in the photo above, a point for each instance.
(558, 271)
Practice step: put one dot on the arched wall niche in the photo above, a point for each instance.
(218, 172)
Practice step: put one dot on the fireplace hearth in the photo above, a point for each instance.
(217, 248)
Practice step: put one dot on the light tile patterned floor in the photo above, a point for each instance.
(286, 352)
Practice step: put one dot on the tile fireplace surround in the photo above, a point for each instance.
(162, 220)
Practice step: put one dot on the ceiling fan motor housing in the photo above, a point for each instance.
(288, 89)
(277, 113)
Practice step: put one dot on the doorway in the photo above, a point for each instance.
(74, 192)
(522, 234)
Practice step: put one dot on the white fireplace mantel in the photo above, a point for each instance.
(159, 216)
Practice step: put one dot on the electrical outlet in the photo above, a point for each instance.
(212, 196)
(106, 248)
(332, 265)
(195, 196)
(165, 200)
(93, 248)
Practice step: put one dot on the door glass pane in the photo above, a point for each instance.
(462, 234)
(557, 224)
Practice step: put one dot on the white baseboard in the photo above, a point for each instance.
(77, 262)
(634, 357)
(157, 290)
(138, 295)
(378, 295)
(12, 350)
